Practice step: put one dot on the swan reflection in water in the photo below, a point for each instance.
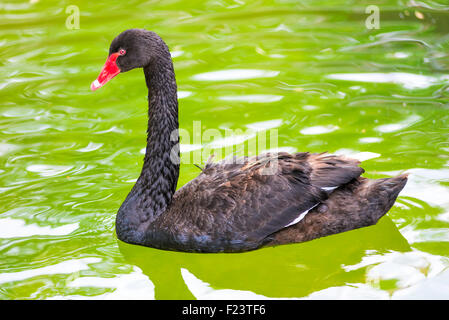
(285, 271)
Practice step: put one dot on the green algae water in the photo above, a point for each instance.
(326, 75)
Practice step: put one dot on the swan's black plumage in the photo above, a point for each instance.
(238, 204)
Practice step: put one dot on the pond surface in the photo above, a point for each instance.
(316, 71)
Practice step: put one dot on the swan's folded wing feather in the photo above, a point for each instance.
(245, 201)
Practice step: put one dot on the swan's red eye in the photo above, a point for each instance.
(122, 52)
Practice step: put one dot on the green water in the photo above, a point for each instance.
(312, 70)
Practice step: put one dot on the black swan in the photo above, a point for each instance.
(232, 206)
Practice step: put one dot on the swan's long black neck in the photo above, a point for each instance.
(160, 171)
(154, 189)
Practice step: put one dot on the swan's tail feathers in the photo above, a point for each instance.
(359, 203)
(381, 194)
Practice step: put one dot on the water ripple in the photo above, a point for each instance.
(234, 74)
(13, 228)
(407, 80)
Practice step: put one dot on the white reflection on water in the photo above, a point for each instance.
(112, 129)
(7, 148)
(370, 140)
(230, 141)
(425, 235)
(318, 130)
(392, 127)
(401, 55)
(430, 288)
(253, 98)
(361, 156)
(282, 27)
(309, 107)
(132, 286)
(409, 270)
(352, 291)
(12, 228)
(235, 74)
(29, 127)
(65, 267)
(203, 290)
(91, 147)
(407, 80)
(184, 94)
(46, 170)
(416, 275)
(424, 184)
(264, 125)
(176, 53)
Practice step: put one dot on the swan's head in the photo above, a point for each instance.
(133, 48)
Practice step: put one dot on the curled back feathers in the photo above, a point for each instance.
(246, 200)
(333, 171)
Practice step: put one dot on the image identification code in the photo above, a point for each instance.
(230, 309)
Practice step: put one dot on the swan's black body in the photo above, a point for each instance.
(234, 205)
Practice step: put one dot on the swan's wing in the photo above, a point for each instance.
(253, 198)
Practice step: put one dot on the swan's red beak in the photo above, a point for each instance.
(109, 71)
